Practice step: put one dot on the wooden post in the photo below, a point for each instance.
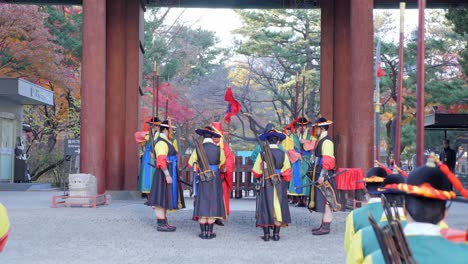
(93, 92)
(420, 87)
(238, 178)
(400, 87)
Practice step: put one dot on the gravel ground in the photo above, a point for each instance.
(125, 232)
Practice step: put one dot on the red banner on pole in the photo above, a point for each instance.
(233, 106)
(380, 71)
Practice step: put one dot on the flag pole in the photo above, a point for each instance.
(229, 133)
(154, 89)
(303, 93)
(296, 101)
(377, 104)
(400, 87)
(157, 88)
(229, 123)
(167, 107)
(420, 87)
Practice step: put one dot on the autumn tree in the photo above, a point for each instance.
(459, 19)
(34, 47)
(185, 55)
(278, 45)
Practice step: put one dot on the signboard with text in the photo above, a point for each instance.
(72, 147)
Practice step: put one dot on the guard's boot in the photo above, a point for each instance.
(210, 234)
(169, 226)
(323, 230)
(219, 222)
(203, 231)
(266, 233)
(315, 229)
(293, 199)
(301, 202)
(164, 227)
(276, 231)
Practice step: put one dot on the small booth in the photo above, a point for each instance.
(14, 93)
(453, 122)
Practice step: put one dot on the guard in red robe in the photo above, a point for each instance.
(228, 170)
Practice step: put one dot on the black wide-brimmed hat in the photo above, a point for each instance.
(153, 120)
(322, 121)
(165, 123)
(394, 178)
(428, 182)
(302, 121)
(374, 179)
(272, 133)
(207, 132)
(375, 174)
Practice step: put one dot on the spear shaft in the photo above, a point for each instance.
(167, 107)
(303, 94)
(296, 101)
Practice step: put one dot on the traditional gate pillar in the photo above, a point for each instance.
(346, 82)
(93, 91)
(327, 51)
(111, 77)
(115, 95)
(361, 83)
(124, 60)
(334, 74)
(134, 72)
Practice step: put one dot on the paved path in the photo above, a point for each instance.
(125, 232)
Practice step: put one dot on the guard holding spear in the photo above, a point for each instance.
(166, 189)
(273, 170)
(209, 202)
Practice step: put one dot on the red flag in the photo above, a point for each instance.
(233, 106)
(380, 71)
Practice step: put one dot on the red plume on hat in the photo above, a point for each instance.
(290, 126)
(218, 126)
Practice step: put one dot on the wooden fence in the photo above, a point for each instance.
(243, 177)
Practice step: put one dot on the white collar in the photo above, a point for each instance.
(323, 134)
(401, 213)
(273, 146)
(374, 200)
(421, 229)
(162, 135)
(208, 140)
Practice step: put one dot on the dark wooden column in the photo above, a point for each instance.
(134, 71)
(93, 91)
(327, 45)
(341, 75)
(115, 95)
(361, 84)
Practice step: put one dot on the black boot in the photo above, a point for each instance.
(164, 227)
(324, 229)
(169, 226)
(315, 229)
(210, 234)
(266, 233)
(203, 231)
(301, 202)
(293, 200)
(219, 222)
(276, 231)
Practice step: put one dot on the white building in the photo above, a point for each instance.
(14, 93)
